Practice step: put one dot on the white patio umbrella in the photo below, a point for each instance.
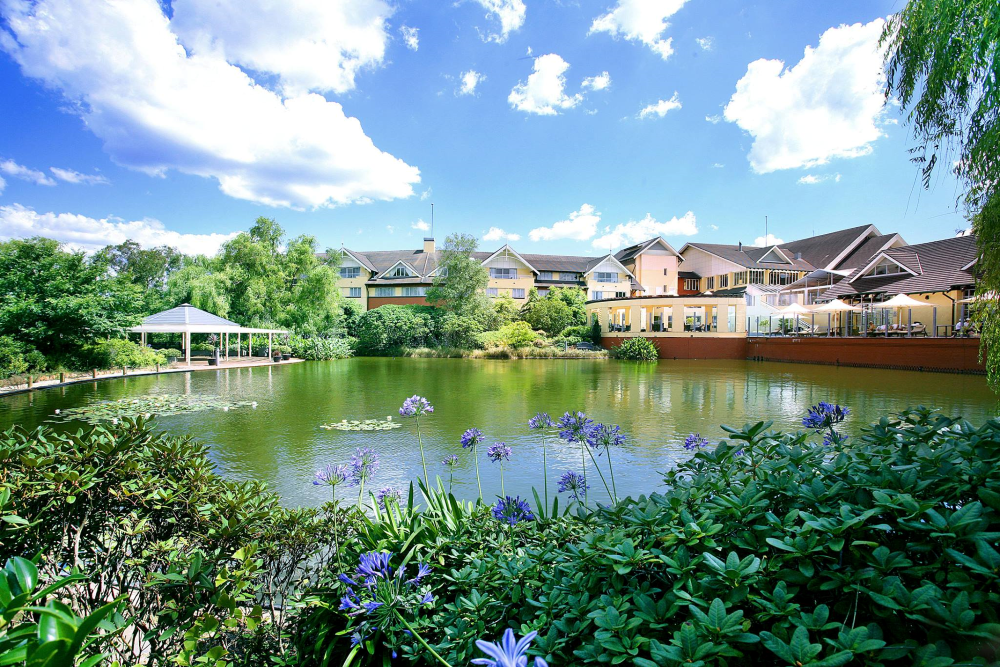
(901, 301)
(794, 309)
(837, 306)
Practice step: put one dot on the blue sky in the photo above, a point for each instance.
(591, 124)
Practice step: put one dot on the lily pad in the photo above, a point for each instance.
(362, 425)
(146, 406)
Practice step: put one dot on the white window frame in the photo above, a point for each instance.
(492, 292)
(755, 277)
(885, 265)
(692, 284)
(348, 272)
(620, 295)
(503, 273)
(545, 275)
(353, 292)
(517, 293)
(723, 280)
(385, 291)
(598, 295)
(414, 291)
(606, 276)
(710, 282)
(401, 272)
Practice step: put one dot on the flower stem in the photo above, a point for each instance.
(475, 455)
(604, 481)
(420, 639)
(614, 489)
(583, 457)
(361, 492)
(423, 461)
(503, 492)
(545, 472)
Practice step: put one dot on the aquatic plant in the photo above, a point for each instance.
(362, 425)
(415, 406)
(471, 438)
(508, 652)
(542, 422)
(161, 405)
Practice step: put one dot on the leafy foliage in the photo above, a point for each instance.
(121, 353)
(635, 349)
(320, 348)
(460, 282)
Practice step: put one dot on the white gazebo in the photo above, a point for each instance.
(185, 319)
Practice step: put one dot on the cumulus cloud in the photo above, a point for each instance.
(705, 43)
(544, 92)
(310, 46)
(425, 195)
(599, 82)
(714, 120)
(421, 225)
(157, 106)
(768, 241)
(89, 234)
(829, 105)
(497, 234)
(3, 184)
(77, 178)
(580, 226)
(661, 108)
(635, 231)
(410, 37)
(717, 165)
(470, 80)
(810, 179)
(510, 14)
(642, 21)
(16, 170)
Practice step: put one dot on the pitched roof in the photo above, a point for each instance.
(940, 269)
(749, 255)
(821, 250)
(187, 314)
(633, 251)
(863, 253)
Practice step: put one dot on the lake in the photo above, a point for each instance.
(657, 406)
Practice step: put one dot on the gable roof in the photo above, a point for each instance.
(188, 314)
(600, 260)
(634, 251)
(827, 250)
(943, 265)
(747, 257)
(506, 246)
(870, 247)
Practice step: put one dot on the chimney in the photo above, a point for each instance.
(429, 245)
(798, 255)
(741, 246)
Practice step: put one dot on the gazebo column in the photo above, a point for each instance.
(227, 346)
(270, 352)
(250, 345)
(187, 347)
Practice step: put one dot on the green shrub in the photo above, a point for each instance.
(517, 334)
(321, 349)
(384, 329)
(576, 331)
(171, 352)
(12, 361)
(635, 349)
(205, 347)
(120, 353)
(461, 331)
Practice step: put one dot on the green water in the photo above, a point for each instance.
(656, 405)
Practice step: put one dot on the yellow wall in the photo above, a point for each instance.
(525, 277)
(345, 283)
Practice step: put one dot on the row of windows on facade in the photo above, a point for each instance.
(749, 277)
(495, 273)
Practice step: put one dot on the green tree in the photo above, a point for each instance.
(387, 328)
(59, 301)
(460, 284)
(943, 65)
(203, 284)
(549, 315)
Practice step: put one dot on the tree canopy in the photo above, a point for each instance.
(458, 287)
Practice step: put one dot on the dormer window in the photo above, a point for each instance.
(886, 268)
(400, 272)
(773, 255)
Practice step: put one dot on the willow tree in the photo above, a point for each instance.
(943, 66)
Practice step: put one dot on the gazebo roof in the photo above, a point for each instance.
(185, 318)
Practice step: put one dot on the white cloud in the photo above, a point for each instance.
(768, 241)
(410, 37)
(497, 234)
(705, 43)
(16, 170)
(510, 13)
(599, 82)
(715, 228)
(635, 231)
(713, 119)
(544, 91)
(89, 234)
(425, 195)
(77, 178)
(829, 105)
(580, 226)
(3, 184)
(156, 107)
(661, 108)
(421, 225)
(640, 20)
(390, 229)
(310, 46)
(810, 179)
(717, 165)
(470, 80)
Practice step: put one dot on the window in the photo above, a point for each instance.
(400, 272)
(503, 274)
(692, 284)
(620, 295)
(885, 268)
(740, 278)
(724, 280)
(710, 283)
(414, 291)
(665, 272)
(756, 277)
(443, 272)
(545, 275)
(492, 291)
(517, 293)
(350, 271)
(782, 277)
(542, 291)
(354, 292)
(607, 277)
(598, 295)
(385, 291)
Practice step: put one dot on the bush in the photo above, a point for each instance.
(381, 330)
(548, 314)
(171, 352)
(120, 353)
(578, 331)
(635, 349)
(12, 361)
(461, 331)
(321, 349)
(516, 334)
(204, 347)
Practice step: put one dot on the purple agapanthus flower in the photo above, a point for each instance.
(387, 493)
(573, 483)
(509, 652)
(512, 510)
(575, 427)
(451, 461)
(824, 415)
(331, 475)
(694, 442)
(471, 437)
(832, 438)
(541, 420)
(422, 571)
(374, 564)
(415, 406)
(604, 435)
(427, 599)
(364, 463)
(499, 451)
